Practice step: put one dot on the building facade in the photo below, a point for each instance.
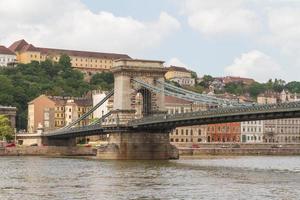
(280, 130)
(51, 112)
(252, 132)
(97, 96)
(180, 75)
(187, 135)
(235, 79)
(7, 57)
(225, 132)
(87, 62)
(184, 81)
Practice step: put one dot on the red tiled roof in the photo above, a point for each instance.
(4, 50)
(22, 45)
(18, 45)
(50, 51)
(79, 101)
(175, 100)
(29, 47)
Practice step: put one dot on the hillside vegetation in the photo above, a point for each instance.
(21, 84)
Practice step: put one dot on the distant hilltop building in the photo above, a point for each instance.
(180, 75)
(7, 57)
(234, 79)
(87, 62)
(270, 97)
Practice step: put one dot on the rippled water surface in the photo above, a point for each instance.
(30, 178)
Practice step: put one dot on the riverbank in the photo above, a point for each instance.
(47, 151)
(206, 150)
(279, 151)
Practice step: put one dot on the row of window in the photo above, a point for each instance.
(252, 129)
(252, 122)
(80, 109)
(73, 59)
(223, 129)
(284, 130)
(7, 59)
(254, 138)
(186, 132)
(185, 140)
(92, 66)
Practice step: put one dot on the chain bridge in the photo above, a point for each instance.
(141, 131)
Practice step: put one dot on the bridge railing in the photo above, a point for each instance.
(281, 107)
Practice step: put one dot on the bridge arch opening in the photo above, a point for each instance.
(143, 103)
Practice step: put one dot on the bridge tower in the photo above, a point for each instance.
(129, 99)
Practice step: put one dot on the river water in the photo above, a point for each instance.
(30, 178)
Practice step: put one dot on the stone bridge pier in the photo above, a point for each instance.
(138, 145)
(133, 101)
(49, 141)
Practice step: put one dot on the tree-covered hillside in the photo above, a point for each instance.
(20, 85)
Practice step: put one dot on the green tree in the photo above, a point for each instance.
(194, 75)
(6, 132)
(293, 86)
(25, 82)
(206, 81)
(65, 61)
(235, 88)
(256, 88)
(104, 81)
(278, 85)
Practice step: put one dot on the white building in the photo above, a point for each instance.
(7, 57)
(184, 81)
(97, 96)
(252, 132)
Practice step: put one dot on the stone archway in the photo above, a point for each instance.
(145, 101)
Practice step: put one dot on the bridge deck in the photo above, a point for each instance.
(220, 115)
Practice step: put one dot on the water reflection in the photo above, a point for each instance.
(231, 178)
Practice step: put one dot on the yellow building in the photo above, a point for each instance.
(87, 62)
(177, 72)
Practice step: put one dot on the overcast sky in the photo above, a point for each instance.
(251, 38)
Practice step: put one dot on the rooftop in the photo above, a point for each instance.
(175, 100)
(22, 45)
(6, 51)
(176, 68)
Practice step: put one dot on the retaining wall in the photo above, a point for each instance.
(47, 151)
(238, 151)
